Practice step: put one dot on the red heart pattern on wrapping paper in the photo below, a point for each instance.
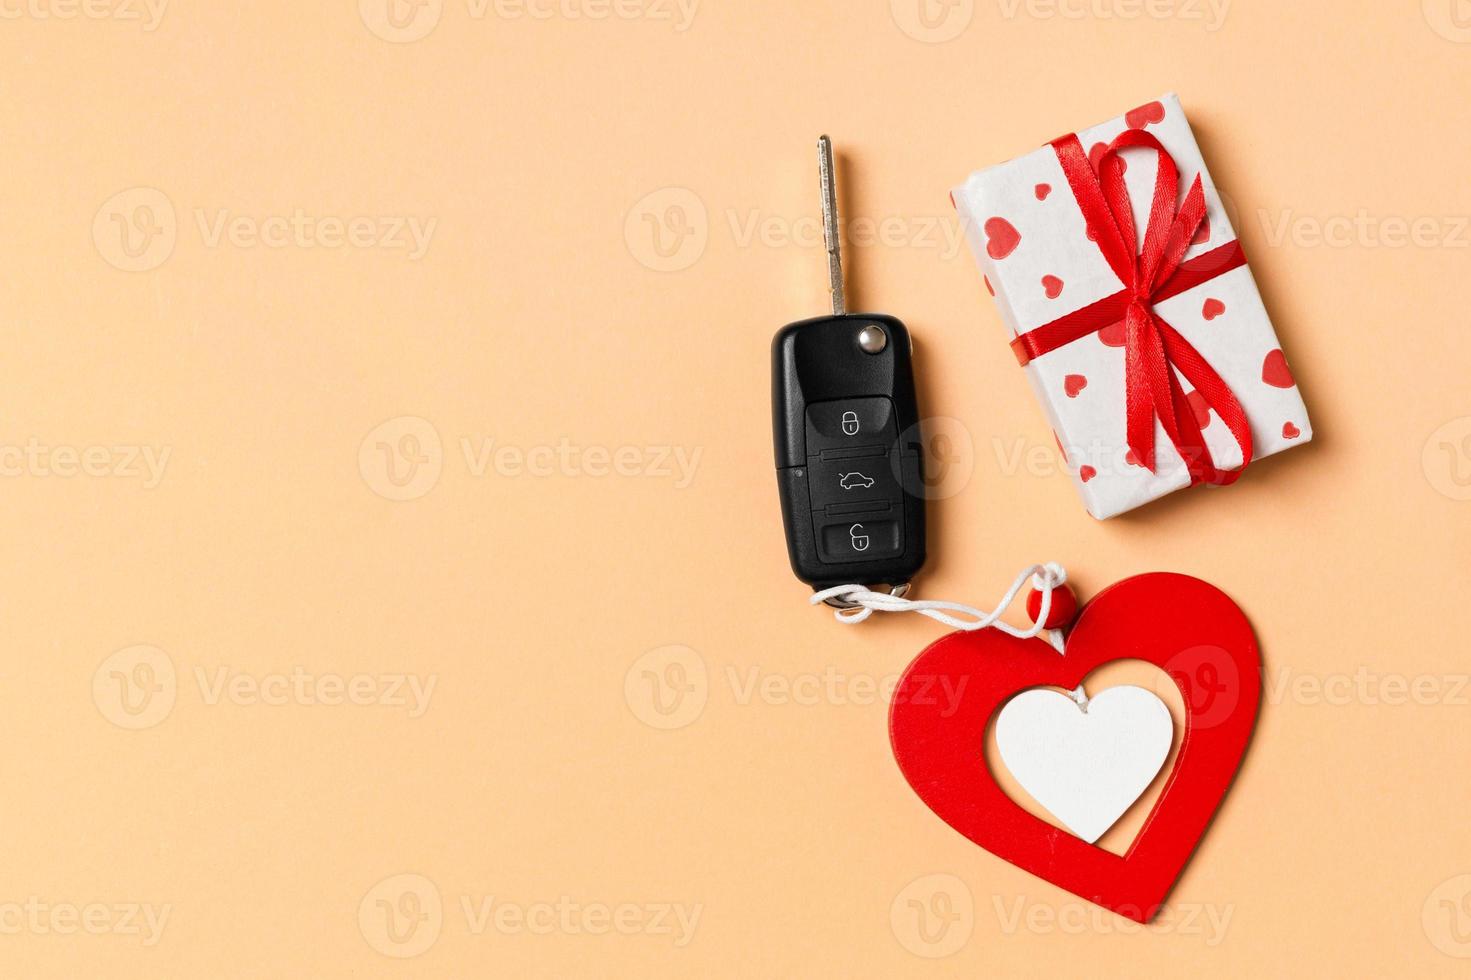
(1212, 309)
(1203, 233)
(1095, 154)
(1189, 629)
(1201, 409)
(1042, 190)
(1150, 112)
(1072, 384)
(1002, 238)
(1113, 335)
(1290, 431)
(1275, 371)
(1086, 472)
(1052, 286)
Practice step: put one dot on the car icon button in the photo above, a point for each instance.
(857, 480)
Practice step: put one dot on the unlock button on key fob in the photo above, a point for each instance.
(858, 539)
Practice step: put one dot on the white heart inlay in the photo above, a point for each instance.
(1085, 765)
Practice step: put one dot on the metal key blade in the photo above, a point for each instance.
(830, 233)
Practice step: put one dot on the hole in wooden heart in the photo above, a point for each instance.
(1119, 673)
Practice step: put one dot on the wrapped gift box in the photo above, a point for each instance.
(1137, 340)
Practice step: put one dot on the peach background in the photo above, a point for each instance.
(546, 151)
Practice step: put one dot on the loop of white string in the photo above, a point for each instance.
(1044, 579)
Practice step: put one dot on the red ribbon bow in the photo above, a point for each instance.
(1153, 350)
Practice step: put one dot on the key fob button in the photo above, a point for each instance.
(853, 480)
(850, 422)
(858, 539)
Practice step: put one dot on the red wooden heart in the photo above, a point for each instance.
(1189, 629)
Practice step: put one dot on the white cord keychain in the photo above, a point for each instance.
(865, 602)
(859, 602)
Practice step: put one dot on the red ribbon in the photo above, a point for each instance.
(1153, 350)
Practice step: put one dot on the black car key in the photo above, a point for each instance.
(846, 427)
